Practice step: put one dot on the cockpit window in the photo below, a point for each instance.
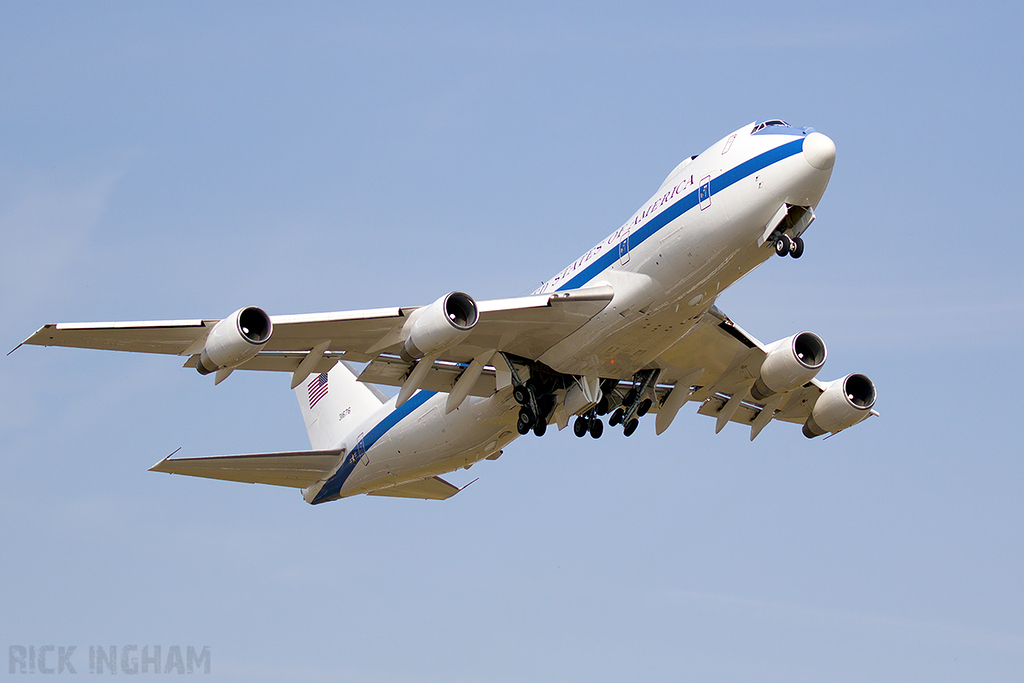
(770, 122)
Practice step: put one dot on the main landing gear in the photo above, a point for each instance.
(537, 398)
(536, 406)
(636, 403)
(789, 246)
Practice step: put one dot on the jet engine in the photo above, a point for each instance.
(790, 363)
(439, 326)
(844, 403)
(234, 340)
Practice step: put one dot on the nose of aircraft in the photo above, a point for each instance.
(820, 151)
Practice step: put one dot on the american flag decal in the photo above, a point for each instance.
(317, 389)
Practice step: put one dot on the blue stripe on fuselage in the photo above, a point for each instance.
(332, 487)
(674, 211)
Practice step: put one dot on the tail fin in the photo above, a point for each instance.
(335, 403)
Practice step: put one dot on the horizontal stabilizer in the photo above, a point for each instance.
(298, 469)
(432, 488)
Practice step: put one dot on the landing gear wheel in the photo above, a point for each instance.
(525, 421)
(644, 406)
(616, 417)
(522, 427)
(540, 427)
(596, 428)
(798, 247)
(602, 406)
(630, 426)
(521, 394)
(580, 426)
(783, 245)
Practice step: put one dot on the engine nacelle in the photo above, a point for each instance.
(844, 403)
(234, 340)
(439, 326)
(790, 363)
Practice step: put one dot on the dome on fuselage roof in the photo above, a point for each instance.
(675, 172)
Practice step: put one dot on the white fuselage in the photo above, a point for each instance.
(704, 229)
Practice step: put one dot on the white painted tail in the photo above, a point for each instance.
(334, 404)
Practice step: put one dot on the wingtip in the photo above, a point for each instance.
(33, 336)
(157, 468)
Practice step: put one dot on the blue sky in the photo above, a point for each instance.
(182, 160)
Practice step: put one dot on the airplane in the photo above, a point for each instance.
(628, 328)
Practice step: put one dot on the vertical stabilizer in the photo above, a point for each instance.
(334, 403)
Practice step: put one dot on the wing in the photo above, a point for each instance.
(718, 363)
(304, 344)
